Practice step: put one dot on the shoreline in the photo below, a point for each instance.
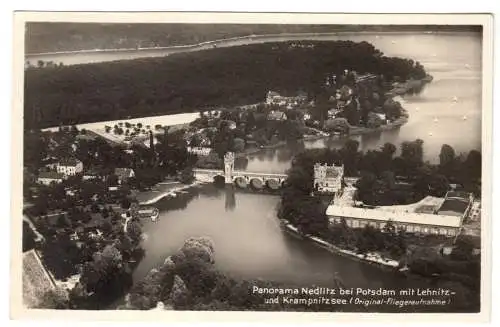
(169, 193)
(357, 131)
(365, 258)
(235, 38)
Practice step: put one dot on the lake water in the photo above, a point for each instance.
(249, 242)
(244, 228)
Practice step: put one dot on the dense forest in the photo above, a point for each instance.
(52, 37)
(190, 81)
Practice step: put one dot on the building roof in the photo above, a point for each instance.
(273, 94)
(69, 162)
(50, 175)
(276, 115)
(332, 172)
(455, 203)
(453, 207)
(123, 172)
(36, 280)
(409, 218)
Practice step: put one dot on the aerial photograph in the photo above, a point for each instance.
(252, 167)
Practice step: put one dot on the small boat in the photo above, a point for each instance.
(417, 109)
(430, 133)
(455, 99)
(436, 120)
(464, 117)
(393, 42)
(467, 66)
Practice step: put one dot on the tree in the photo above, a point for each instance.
(238, 145)
(446, 156)
(413, 154)
(388, 149)
(28, 237)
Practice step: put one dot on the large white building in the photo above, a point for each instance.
(446, 219)
(70, 167)
(409, 222)
(277, 99)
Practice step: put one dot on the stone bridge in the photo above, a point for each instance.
(242, 179)
(238, 177)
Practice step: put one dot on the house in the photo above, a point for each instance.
(70, 167)
(382, 117)
(274, 98)
(49, 177)
(36, 279)
(276, 115)
(124, 174)
(227, 123)
(201, 151)
(91, 175)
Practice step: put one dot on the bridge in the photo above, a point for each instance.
(239, 177)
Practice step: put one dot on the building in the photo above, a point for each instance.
(124, 174)
(49, 177)
(274, 98)
(456, 204)
(36, 279)
(328, 179)
(70, 167)
(276, 115)
(200, 151)
(91, 175)
(415, 223)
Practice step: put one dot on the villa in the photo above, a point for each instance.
(70, 167)
(274, 98)
(201, 151)
(49, 177)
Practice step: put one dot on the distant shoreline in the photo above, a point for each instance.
(168, 193)
(236, 38)
(262, 37)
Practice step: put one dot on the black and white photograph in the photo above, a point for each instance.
(183, 164)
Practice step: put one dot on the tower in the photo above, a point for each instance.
(228, 167)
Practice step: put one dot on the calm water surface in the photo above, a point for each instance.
(248, 241)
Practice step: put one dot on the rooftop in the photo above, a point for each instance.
(123, 172)
(455, 203)
(50, 175)
(71, 162)
(380, 215)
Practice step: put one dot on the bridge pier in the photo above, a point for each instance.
(238, 177)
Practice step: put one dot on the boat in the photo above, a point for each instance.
(417, 109)
(430, 133)
(464, 117)
(467, 66)
(455, 99)
(393, 42)
(435, 119)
